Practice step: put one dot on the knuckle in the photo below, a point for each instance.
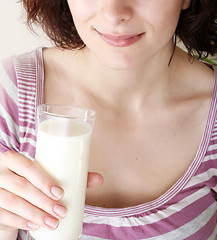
(3, 177)
(28, 163)
(2, 215)
(37, 215)
(11, 200)
(21, 183)
(44, 182)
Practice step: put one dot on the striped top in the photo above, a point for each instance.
(188, 210)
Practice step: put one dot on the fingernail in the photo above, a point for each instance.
(51, 222)
(60, 210)
(32, 225)
(57, 192)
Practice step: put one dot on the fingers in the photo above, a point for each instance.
(29, 198)
(31, 171)
(11, 220)
(94, 180)
(20, 209)
(24, 189)
(27, 168)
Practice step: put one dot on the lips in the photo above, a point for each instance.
(120, 40)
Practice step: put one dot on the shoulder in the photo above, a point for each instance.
(19, 74)
(194, 77)
(8, 83)
(57, 59)
(18, 87)
(29, 62)
(13, 65)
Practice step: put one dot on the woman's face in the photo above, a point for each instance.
(125, 34)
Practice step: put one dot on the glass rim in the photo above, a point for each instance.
(42, 108)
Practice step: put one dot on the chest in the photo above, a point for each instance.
(141, 161)
(140, 154)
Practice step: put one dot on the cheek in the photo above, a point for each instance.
(82, 10)
(161, 14)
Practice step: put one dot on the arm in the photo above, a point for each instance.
(26, 196)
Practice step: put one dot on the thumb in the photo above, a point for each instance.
(94, 180)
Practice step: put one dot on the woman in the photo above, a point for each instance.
(154, 138)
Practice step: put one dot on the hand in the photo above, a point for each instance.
(29, 198)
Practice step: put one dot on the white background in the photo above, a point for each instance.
(15, 37)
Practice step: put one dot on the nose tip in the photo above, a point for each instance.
(116, 11)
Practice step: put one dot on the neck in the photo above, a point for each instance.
(152, 81)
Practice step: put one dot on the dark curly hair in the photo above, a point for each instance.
(197, 27)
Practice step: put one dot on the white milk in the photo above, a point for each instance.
(65, 157)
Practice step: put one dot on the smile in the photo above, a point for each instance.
(120, 40)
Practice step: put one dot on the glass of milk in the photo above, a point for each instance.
(62, 150)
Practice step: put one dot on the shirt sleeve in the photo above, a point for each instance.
(9, 117)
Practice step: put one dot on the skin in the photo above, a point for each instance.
(20, 181)
(139, 101)
(122, 17)
(121, 83)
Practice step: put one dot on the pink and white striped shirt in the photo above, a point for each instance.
(188, 210)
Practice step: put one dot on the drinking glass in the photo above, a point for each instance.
(62, 150)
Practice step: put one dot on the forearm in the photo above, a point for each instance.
(8, 235)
